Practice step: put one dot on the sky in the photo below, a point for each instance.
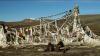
(17, 10)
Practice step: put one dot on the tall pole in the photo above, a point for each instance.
(75, 2)
(40, 27)
(56, 23)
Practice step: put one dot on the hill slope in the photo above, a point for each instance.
(93, 21)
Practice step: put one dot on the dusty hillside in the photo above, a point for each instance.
(92, 21)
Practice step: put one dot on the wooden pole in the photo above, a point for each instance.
(40, 28)
(56, 23)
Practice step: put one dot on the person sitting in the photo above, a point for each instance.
(50, 47)
(60, 45)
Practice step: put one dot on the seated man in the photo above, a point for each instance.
(60, 45)
(50, 47)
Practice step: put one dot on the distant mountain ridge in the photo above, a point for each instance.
(93, 21)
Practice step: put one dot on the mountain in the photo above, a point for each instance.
(23, 23)
(93, 21)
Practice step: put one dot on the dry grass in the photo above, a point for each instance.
(92, 21)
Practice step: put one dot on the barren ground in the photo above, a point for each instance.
(75, 51)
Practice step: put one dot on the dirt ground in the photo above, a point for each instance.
(32, 51)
